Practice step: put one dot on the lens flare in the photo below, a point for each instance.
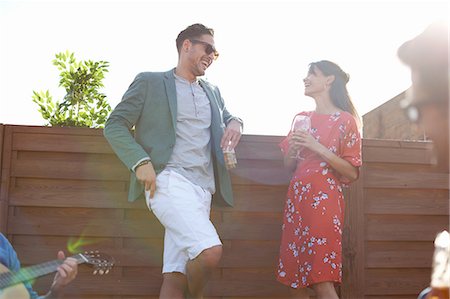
(75, 244)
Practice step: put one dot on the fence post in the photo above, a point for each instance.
(5, 164)
(353, 241)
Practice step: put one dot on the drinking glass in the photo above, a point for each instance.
(229, 155)
(302, 123)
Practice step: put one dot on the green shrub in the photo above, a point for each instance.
(83, 105)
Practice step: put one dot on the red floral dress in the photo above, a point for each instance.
(311, 241)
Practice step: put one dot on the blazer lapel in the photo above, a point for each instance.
(169, 82)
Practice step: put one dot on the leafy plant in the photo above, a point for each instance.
(83, 105)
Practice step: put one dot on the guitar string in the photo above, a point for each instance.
(28, 273)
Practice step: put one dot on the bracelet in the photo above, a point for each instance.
(142, 163)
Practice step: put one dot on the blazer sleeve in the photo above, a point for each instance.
(118, 127)
(227, 116)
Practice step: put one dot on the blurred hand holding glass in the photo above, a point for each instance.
(229, 156)
(300, 123)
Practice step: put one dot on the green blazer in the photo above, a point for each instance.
(150, 106)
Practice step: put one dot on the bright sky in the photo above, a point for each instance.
(265, 48)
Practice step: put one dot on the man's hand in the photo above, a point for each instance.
(232, 135)
(146, 175)
(66, 272)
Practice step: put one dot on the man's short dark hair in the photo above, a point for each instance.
(192, 31)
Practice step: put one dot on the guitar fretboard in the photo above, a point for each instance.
(25, 274)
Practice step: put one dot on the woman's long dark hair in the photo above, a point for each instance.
(338, 91)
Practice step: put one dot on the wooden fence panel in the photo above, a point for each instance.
(406, 203)
(64, 188)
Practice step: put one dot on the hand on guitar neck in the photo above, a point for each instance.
(11, 286)
(66, 272)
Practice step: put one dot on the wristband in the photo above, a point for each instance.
(142, 163)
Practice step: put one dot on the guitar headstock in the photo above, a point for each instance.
(101, 262)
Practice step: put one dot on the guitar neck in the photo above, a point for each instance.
(11, 278)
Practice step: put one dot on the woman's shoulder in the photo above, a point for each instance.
(307, 113)
(347, 117)
(345, 114)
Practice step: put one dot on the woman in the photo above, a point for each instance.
(311, 242)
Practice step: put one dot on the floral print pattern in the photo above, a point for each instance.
(311, 242)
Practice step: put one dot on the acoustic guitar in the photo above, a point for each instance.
(11, 286)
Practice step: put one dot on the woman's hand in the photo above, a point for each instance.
(304, 139)
(294, 144)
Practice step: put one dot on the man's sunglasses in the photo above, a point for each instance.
(208, 47)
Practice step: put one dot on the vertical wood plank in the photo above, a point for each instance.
(353, 241)
(6, 150)
(2, 129)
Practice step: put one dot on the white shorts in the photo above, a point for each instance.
(183, 208)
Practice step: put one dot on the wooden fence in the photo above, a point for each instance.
(64, 188)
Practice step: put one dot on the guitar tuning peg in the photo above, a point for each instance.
(95, 272)
(101, 272)
(107, 271)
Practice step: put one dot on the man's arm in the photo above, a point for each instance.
(66, 272)
(231, 135)
(121, 121)
(9, 259)
(233, 129)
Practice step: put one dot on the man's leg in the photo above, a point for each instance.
(174, 269)
(174, 280)
(183, 209)
(174, 286)
(200, 269)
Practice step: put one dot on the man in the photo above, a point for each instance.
(428, 104)
(181, 129)
(66, 272)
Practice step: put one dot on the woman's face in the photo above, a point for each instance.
(315, 82)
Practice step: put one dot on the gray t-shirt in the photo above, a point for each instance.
(191, 155)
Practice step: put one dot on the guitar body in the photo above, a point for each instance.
(17, 291)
